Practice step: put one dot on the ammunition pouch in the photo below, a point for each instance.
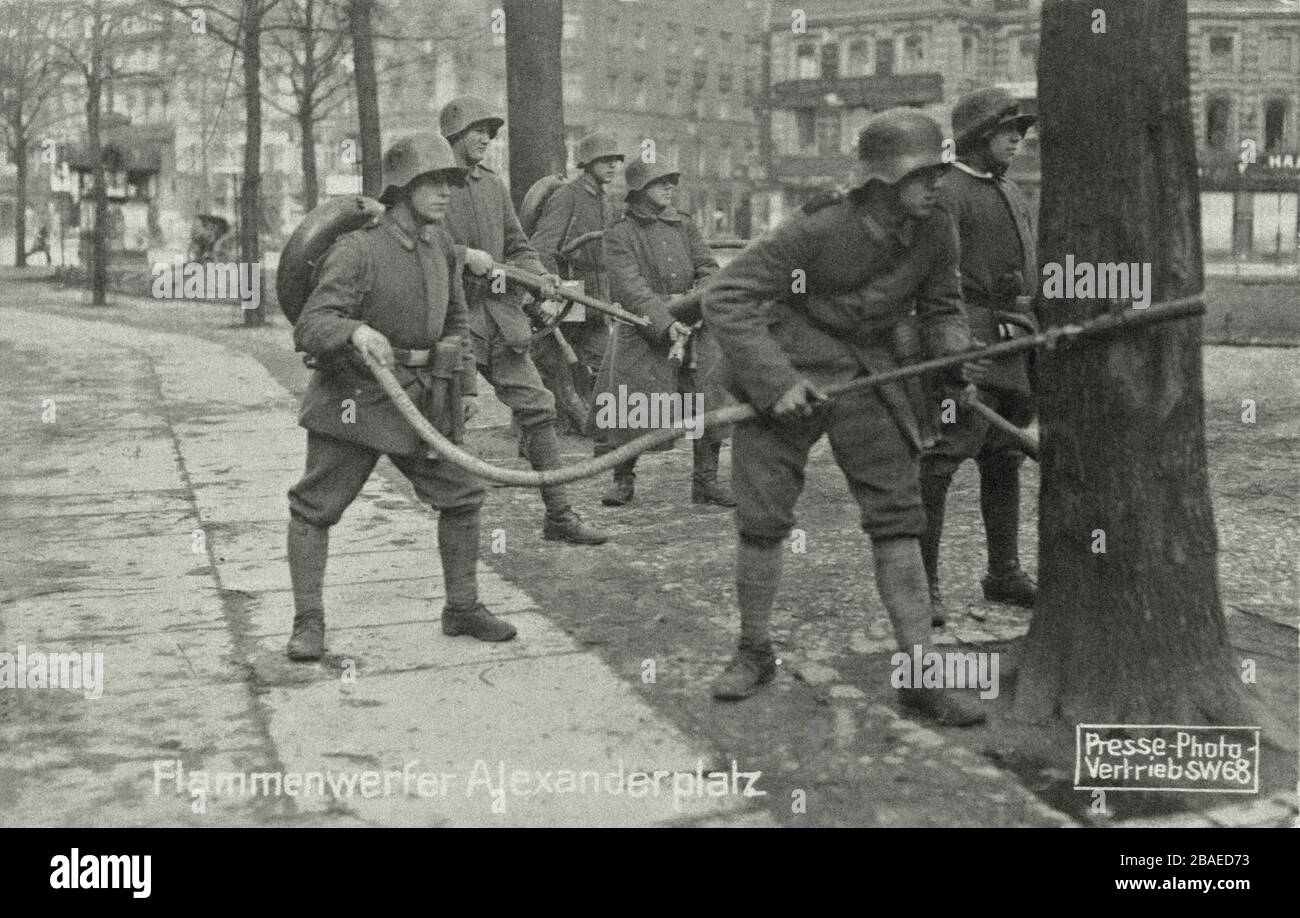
(445, 390)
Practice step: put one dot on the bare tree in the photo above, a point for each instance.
(1129, 627)
(32, 70)
(309, 42)
(360, 16)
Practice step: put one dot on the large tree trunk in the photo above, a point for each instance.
(250, 196)
(20, 193)
(363, 57)
(1134, 634)
(534, 91)
(94, 89)
(307, 127)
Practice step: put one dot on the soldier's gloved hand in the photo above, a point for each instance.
(478, 261)
(798, 400)
(550, 286)
(469, 405)
(374, 345)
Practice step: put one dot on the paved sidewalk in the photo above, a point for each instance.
(142, 515)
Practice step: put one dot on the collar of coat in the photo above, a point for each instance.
(590, 185)
(643, 212)
(479, 170)
(403, 237)
(901, 230)
(975, 173)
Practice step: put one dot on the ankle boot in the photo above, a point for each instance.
(308, 550)
(624, 487)
(753, 666)
(477, 622)
(1000, 507)
(758, 573)
(900, 577)
(704, 478)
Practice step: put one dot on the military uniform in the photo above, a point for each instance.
(577, 207)
(655, 256)
(407, 289)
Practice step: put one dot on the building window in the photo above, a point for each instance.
(573, 87)
(830, 60)
(828, 133)
(611, 85)
(611, 29)
(805, 67)
(701, 35)
(1218, 120)
(724, 162)
(1274, 125)
(726, 80)
(859, 58)
(969, 50)
(638, 36)
(1279, 52)
(806, 125)
(913, 50)
(701, 77)
(1028, 57)
(638, 91)
(1221, 49)
(672, 78)
(674, 42)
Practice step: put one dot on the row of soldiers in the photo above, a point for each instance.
(883, 267)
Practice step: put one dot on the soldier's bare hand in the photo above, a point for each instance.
(798, 400)
(469, 405)
(977, 371)
(478, 261)
(550, 286)
(373, 345)
(967, 395)
(678, 331)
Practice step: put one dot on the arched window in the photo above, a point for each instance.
(1275, 112)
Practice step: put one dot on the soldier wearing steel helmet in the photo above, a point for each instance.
(576, 208)
(816, 302)
(391, 291)
(999, 269)
(483, 223)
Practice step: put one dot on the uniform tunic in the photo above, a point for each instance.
(407, 289)
(652, 257)
(818, 298)
(480, 216)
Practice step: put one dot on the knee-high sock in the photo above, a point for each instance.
(900, 578)
(1000, 507)
(758, 573)
(934, 497)
(543, 450)
(308, 550)
(458, 533)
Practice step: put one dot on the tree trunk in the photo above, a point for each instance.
(534, 92)
(94, 89)
(363, 59)
(20, 193)
(307, 127)
(249, 198)
(1134, 634)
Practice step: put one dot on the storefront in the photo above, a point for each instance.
(1249, 210)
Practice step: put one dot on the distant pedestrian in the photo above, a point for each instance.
(42, 244)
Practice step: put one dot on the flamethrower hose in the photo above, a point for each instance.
(1100, 326)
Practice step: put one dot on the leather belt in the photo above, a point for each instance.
(412, 358)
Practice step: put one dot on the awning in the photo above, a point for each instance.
(125, 155)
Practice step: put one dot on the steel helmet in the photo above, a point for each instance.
(414, 155)
(985, 110)
(597, 146)
(458, 114)
(638, 174)
(896, 142)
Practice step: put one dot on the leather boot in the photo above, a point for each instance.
(308, 550)
(561, 523)
(900, 578)
(477, 622)
(934, 498)
(624, 487)
(1000, 507)
(704, 477)
(751, 668)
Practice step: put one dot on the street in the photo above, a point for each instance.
(149, 447)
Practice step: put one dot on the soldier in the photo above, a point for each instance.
(999, 269)
(816, 301)
(486, 229)
(655, 256)
(575, 209)
(391, 291)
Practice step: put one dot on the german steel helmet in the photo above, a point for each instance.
(461, 112)
(896, 142)
(597, 146)
(638, 174)
(984, 110)
(414, 155)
